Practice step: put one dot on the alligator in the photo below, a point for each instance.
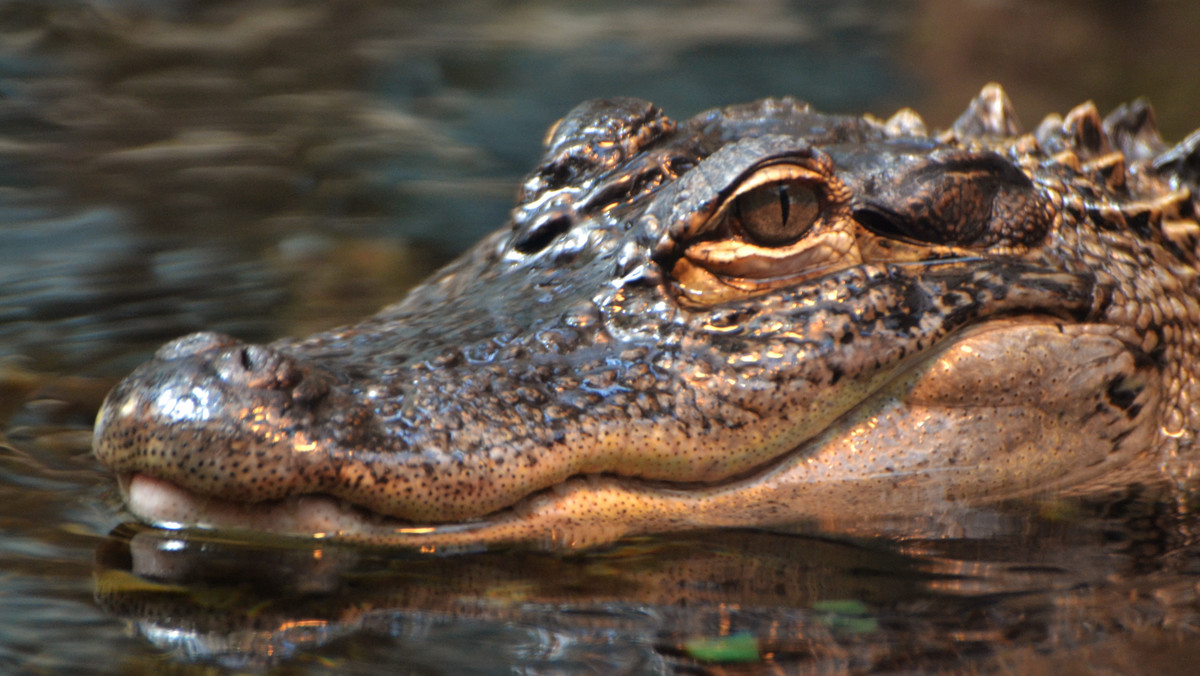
(761, 316)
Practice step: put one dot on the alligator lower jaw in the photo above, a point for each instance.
(574, 514)
(550, 519)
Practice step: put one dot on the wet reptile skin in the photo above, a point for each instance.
(761, 315)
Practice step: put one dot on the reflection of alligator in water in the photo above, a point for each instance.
(659, 606)
(759, 316)
(222, 601)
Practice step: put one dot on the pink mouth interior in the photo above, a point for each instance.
(166, 505)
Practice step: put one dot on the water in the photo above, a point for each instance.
(264, 168)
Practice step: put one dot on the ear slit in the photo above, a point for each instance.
(883, 224)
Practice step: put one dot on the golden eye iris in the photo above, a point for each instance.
(776, 214)
(777, 224)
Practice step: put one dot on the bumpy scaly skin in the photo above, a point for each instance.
(971, 315)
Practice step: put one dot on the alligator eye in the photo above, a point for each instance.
(776, 214)
(779, 224)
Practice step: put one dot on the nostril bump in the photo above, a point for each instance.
(258, 367)
(193, 344)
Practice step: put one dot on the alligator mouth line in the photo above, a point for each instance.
(168, 505)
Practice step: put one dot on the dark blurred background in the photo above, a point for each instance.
(269, 167)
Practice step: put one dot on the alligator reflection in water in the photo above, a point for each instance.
(643, 606)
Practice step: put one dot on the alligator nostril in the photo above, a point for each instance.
(257, 366)
(244, 357)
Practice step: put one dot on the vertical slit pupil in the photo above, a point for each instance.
(777, 214)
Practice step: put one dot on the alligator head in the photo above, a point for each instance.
(762, 315)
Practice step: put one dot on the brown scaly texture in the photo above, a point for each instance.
(763, 313)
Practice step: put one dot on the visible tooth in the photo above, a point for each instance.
(1085, 130)
(905, 122)
(989, 114)
(1133, 129)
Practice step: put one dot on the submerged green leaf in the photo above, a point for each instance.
(847, 615)
(741, 647)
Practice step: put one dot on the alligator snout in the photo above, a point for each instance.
(221, 417)
(230, 422)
